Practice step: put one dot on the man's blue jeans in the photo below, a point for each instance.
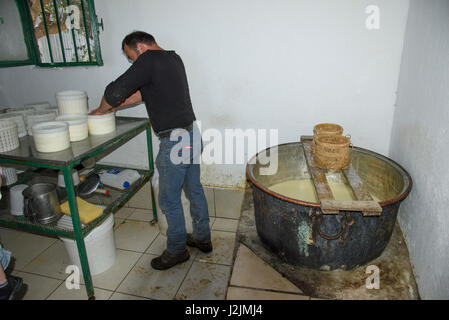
(179, 168)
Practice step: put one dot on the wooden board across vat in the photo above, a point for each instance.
(329, 205)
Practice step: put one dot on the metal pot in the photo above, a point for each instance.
(300, 234)
(41, 203)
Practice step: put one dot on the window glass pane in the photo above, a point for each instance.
(13, 47)
(89, 31)
(41, 28)
(65, 29)
(81, 32)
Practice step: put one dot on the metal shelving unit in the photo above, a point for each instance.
(94, 146)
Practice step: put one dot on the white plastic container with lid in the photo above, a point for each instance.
(51, 136)
(119, 178)
(38, 117)
(18, 118)
(101, 124)
(72, 102)
(77, 126)
(100, 245)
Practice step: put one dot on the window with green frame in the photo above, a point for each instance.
(49, 33)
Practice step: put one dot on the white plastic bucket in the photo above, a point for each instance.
(16, 199)
(72, 102)
(75, 177)
(77, 126)
(100, 245)
(101, 124)
(161, 219)
(51, 136)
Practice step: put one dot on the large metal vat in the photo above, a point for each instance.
(300, 234)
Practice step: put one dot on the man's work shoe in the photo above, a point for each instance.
(168, 260)
(10, 290)
(204, 247)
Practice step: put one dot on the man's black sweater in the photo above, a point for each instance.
(161, 78)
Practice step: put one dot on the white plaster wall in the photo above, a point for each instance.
(251, 64)
(420, 142)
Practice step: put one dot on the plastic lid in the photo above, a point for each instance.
(71, 94)
(50, 127)
(126, 184)
(72, 119)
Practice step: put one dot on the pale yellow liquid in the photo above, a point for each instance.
(304, 190)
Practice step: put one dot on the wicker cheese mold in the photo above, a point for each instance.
(332, 151)
(325, 129)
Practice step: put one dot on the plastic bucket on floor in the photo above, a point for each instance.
(100, 245)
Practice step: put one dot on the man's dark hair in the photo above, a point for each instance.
(132, 39)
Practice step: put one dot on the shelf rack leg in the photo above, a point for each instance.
(151, 167)
(77, 228)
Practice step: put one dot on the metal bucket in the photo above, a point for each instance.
(300, 234)
(41, 203)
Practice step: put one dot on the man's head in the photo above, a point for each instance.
(136, 43)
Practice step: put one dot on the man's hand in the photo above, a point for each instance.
(102, 109)
(99, 111)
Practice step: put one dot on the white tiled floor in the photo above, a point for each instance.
(42, 261)
(253, 279)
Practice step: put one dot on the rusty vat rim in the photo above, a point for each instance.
(401, 197)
